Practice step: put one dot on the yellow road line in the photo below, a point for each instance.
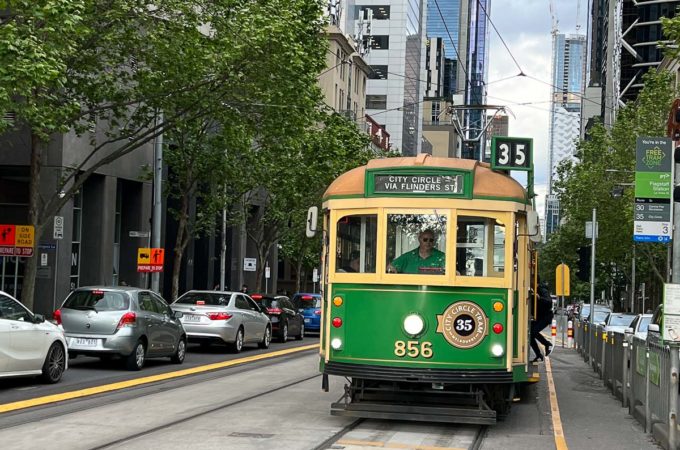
(560, 441)
(23, 404)
(382, 444)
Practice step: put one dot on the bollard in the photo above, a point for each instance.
(553, 331)
(570, 334)
(648, 411)
(624, 378)
(673, 399)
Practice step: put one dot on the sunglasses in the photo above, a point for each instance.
(428, 239)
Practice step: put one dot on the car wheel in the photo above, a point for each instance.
(237, 345)
(55, 364)
(135, 360)
(284, 332)
(178, 357)
(301, 336)
(267, 339)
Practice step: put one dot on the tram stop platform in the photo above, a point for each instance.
(585, 413)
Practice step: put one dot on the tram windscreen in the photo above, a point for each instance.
(416, 243)
(356, 243)
(480, 247)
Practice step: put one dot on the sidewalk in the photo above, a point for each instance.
(591, 416)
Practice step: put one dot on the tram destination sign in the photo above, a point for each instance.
(418, 184)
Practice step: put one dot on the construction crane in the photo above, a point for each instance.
(553, 15)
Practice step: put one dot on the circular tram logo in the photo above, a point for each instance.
(463, 324)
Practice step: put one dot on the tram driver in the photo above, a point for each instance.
(425, 259)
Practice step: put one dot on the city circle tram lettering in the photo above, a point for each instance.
(419, 184)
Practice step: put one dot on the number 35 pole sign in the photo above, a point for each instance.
(512, 153)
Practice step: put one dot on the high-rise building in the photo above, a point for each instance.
(464, 27)
(499, 125)
(567, 93)
(568, 80)
(435, 67)
(397, 54)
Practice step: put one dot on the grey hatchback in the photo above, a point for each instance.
(129, 322)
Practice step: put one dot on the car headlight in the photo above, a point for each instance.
(414, 324)
(497, 350)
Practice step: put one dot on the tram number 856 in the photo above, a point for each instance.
(413, 349)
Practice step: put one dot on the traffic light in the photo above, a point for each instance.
(583, 263)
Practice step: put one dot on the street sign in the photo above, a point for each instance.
(562, 280)
(315, 275)
(150, 259)
(17, 240)
(58, 227)
(43, 259)
(267, 272)
(589, 229)
(653, 209)
(139, 234)
(671, 312)
(249, 264)
(511, 153)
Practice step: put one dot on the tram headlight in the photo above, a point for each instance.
(414, 324)
(497, 350)
(336, 343)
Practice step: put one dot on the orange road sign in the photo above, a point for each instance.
(562, 280)
(150, 259)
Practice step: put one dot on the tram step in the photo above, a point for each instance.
(420, 413)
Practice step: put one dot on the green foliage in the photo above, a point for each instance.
(606, 160)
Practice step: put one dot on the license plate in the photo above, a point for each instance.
(85, 342)
(308, 320)
(191, 318)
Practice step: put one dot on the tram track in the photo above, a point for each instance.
(30, 415)
(211, 410)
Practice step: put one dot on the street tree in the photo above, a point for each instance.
(604, 161)
(119, 64)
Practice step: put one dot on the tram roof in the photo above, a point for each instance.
(487, 183)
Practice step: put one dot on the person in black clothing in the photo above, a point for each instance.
(542, 319)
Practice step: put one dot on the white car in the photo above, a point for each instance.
(640, 325)
(29, 346)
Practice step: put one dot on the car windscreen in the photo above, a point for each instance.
(307, 301)
(268, 302)
(204, 298)
(98, 301)
(600, 316)
(620, 321)
(644, 323)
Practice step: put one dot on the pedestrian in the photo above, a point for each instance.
(542, 318)
(244, 288)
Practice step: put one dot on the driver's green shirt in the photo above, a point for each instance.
(411, 262)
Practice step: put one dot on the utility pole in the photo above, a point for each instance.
(632, 293)
(591, 323)
(157, 198)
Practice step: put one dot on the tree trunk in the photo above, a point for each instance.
(180, 245)
(31, 267)
(298, 274)
(262, 256)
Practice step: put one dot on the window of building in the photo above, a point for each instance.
(416, 243)
(480, 247)
(380, 42)
(380, 12)
(380, 72)
(76, 238)
(356, 243)
(116, 234)
(376, 101)
(436, 112)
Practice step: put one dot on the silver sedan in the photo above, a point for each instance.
(230, 318)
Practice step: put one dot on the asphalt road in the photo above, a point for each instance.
(87, 372)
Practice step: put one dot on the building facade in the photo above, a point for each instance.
(397, 56)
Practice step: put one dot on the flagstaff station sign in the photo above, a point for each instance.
(653, 190)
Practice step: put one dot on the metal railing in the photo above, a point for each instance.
(642, 374)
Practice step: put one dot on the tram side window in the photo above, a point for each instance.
(480, 247)
(355, 249)
(416, 243)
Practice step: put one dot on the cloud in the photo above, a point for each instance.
(526, 31)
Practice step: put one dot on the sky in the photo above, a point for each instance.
(525, 26)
